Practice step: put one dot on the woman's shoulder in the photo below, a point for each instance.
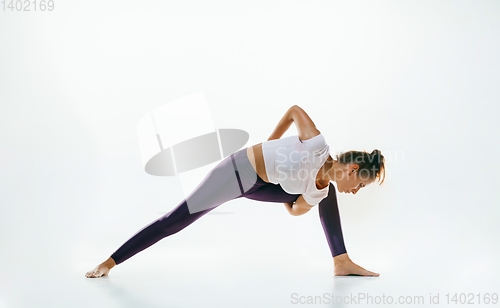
(316, 143)
(314, 196)
(319, 137)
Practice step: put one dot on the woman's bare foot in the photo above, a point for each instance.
(344, 267)
(101, 269)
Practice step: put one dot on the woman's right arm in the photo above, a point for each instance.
(305, 126)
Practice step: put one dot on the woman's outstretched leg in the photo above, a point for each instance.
(220, 185)
(170, 223)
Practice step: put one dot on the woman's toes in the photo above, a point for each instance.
(99, 271)
(92, 274)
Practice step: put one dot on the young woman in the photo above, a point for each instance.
(296, 170)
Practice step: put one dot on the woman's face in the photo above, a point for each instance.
(350, 181)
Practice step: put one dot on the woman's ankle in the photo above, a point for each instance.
(341, 259)
(110, 263)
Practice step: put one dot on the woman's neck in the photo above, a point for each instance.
(324, 173)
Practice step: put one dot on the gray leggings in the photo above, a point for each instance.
(234, 177)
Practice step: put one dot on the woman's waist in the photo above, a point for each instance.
(252, 157)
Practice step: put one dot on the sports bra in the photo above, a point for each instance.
(294, 164)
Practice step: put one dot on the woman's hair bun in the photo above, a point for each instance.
(377, 156)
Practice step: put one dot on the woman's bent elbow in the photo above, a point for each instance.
(297, 214)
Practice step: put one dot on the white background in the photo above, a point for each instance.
(416, 79)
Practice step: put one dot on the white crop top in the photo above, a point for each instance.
(294, 164)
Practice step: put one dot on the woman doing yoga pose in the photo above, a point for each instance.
(296, 170)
